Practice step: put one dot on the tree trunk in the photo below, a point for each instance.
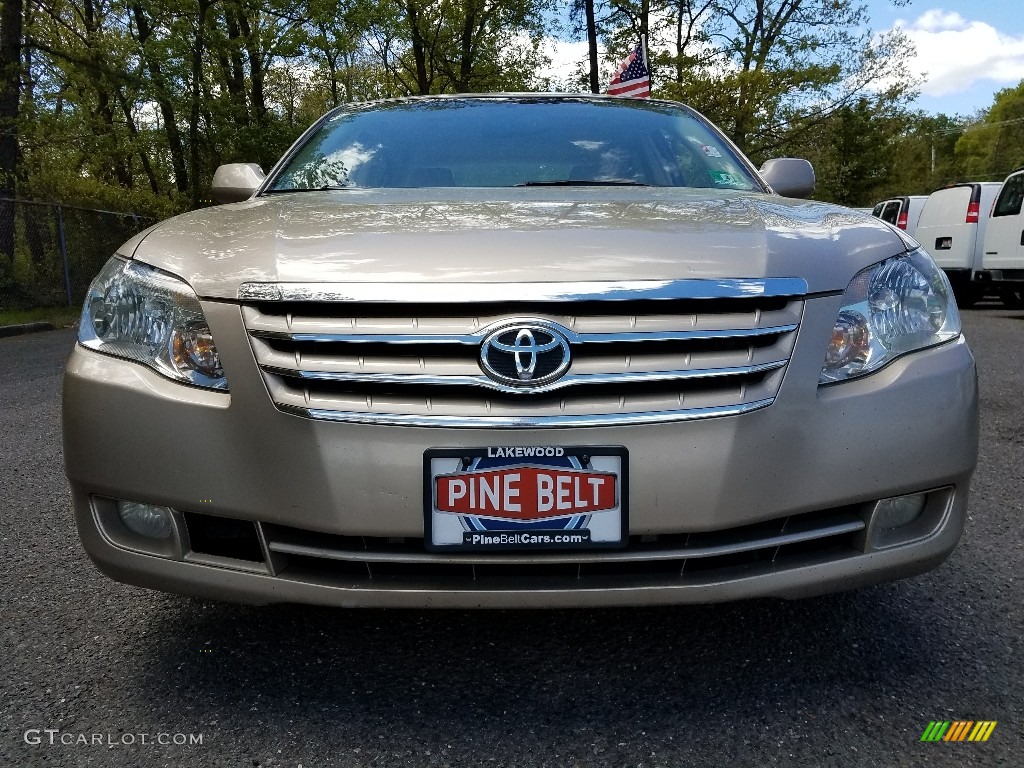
(466, 47)
(256, 69)
(235, 73)
(121, 166)
(170, 120)
(419, 49)
(197, 76)
(10, 99)
(588, 5)
(682, 7)
(331, 57)
(133, 131)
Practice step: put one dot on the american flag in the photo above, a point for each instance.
(633, 78)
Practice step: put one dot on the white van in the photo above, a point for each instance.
(903, 212)
(952, 229)
(1003, 261)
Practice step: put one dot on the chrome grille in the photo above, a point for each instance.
(642, 352)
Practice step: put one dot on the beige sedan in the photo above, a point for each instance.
(518, 351)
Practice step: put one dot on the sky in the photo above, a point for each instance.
(966, 50)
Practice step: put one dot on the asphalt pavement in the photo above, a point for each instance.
(95, 673)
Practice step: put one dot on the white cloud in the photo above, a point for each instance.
(938, 20)
(953, 53)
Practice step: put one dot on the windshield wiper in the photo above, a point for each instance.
(584, 183)
(324, 188)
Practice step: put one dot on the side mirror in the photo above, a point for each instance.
(235, 182)
(789, 176)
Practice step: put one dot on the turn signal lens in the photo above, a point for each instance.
(850, 341)
(194, 350)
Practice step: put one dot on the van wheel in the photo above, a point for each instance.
(1013, 299)
(966, 296)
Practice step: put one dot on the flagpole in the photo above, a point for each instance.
(647, 61)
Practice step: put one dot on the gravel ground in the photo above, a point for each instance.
(851, 679)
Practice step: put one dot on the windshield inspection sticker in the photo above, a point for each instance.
(725, 179)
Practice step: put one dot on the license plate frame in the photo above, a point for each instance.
(585, 466)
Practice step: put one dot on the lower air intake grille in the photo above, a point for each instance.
(676, 559)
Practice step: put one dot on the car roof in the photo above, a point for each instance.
(514, 95)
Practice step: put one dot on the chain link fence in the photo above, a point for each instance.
(49, 253)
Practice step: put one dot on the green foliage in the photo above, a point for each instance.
(58, 317)
(990, 149)
(924, 158)
(770, 71)
(855, 153)
(34, 274)
(132, 104)
(459, 46)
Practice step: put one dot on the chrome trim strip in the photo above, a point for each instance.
(525, 422)
(476, 338)
(572, 379)
(738, 333)
(368, 338)
(366, 556)
(476, 293)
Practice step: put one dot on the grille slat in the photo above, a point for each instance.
(295, 542)
(774, 545)
(473, 339)
(570, 380)
(634, 360)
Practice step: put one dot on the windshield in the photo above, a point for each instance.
(505, 142)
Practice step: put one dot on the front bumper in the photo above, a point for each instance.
(1000, 278)
(910, 428)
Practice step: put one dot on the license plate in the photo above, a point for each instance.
(553, 497)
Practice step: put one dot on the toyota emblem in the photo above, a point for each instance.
(525, 355)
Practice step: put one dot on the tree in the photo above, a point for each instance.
(769, 70)
(855, 154)
(586, 8)
(152, 52)
(993, 147)
(159, 92)
(10, 101)
(457, 46)
(133, 103)
(925, 158)
(692, 24)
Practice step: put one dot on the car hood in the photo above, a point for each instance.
(514, 235)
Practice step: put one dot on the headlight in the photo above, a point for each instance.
(894, 307)
(143, 314)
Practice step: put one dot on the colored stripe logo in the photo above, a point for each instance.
(958, 730)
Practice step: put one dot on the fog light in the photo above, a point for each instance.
(901, 510)
(145, 519)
